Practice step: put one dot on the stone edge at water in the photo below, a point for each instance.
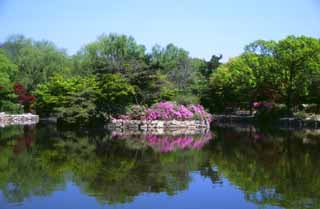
(160, 126)
(18, 119)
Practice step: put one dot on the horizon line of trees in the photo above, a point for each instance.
(107, 75)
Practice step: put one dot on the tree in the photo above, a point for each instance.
(210, 66)
(111, 53)
(115, 94)
(283, 72)
(24, 97)
(71, 100)
(83, 100)
(7, 73)
(229, 85)
(297, 58)
(259, 56)
(179, 68)
(175, 63)
(37, 61)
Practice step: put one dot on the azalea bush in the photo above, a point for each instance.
(167, 111)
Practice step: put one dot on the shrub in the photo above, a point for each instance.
(167, 111)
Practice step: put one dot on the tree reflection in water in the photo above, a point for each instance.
(271, 168)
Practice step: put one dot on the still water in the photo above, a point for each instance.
(230, 167)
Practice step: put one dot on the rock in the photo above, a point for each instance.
(159, 126)
(22, 119)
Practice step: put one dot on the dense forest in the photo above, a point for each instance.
(109, 75)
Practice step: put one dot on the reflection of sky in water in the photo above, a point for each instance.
(208, 196)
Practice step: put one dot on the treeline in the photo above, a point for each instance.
(109, 74)
(103, 78)
(284, 72)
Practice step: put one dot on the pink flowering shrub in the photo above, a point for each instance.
(168, 111)
(199, 112)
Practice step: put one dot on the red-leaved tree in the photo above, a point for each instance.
(24, 97)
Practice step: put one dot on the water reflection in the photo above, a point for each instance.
(270, 168)
(165, 143)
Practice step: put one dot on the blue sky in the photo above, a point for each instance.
(203, 27)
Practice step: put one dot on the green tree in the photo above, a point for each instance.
(180, 69)
(37, 61)
(84, 100)
(297, 58)
(115, 94)
(284, 72)
(71, 100)
(207, 67)
(175, 63)
(111, 53)
(259, 56)
(229, 85)
(7, 75)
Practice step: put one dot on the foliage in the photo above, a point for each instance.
(7, 73)
(24, 97)
(115, 94)
(282, 72)
(112, 53)
(285, 72)
(37, 61)
(80, 100)
(267, 112)
(71, 100)
(208, 67)
(230, 84)
(298, 60)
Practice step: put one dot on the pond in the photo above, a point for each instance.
(229, 167)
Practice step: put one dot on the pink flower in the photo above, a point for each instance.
(169, 111)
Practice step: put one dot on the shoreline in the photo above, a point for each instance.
(284, 122)
(188, 126)
(159, 126)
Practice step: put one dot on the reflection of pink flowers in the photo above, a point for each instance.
(166, 143)
(172, 143)
(262, 104)
(258, 136)
(257, 104)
